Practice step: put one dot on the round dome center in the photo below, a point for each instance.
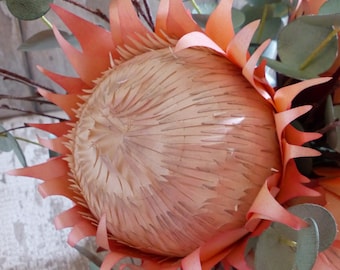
(173, 149)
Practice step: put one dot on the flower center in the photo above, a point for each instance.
(173, 149)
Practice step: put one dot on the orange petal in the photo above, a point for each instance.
(192, 261)
(125, 23)
(101, 235)
(173, 20)
(197, 39)
(249, 70)
(70, 84)
(292, 185)
(68, 218)
(56, 187)
(297, 137)
(284, 96)
(90, 38)
(57, 129)
(69, 103)
(88, 67)
(283, 119)
(267, 208)
(43, 171)
(57, 145)
(80, 231)
(237, 50)
(220, 26)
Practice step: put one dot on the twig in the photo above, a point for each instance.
(8, 75)
(141, 12)
(6, 107)
(27, 98)
(330, 126)
(12, 129)
(148, 13)
(96, 12)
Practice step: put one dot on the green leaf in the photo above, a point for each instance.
(267, 30)
(45, 40)
(330, 7)
(322, 20)
(307, 246)
(9, 143)
(89, 255)
(307, 48)
(273, 252)
(92, 266)
(28, 9)
(324, 219)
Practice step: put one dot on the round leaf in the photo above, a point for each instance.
(298, 41)
(272, 250)
(323, 218)
(330, 7)
(28, 9)
(307, 246)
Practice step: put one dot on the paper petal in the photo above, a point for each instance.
(80, 231)
(68, 218)
(111, 259)
(174, 20)
(101, 235)
(220, 26)
(57, 129)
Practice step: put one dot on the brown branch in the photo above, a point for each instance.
(330, 126)
(6, 107)
(27, 98)
(96, 12)
(8, 75)
(141, 12)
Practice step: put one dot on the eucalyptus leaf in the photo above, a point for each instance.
(272, 252)
(89, 255)
(9, 143)
(330, 7)
(299, 47)
(324, 219)
(327, 20)
(267, 30)
(307, 246)
(92, 266)
(45, 40)
(28, 9)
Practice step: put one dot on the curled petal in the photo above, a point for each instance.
(68, 218)
(284, 96)
(237, 50)
(267, 208)
(57, 145)
(57, 129)
(101, 235)
(174, 20)
(192, 261)
(197, 39)
(220, 26)
(297, 137)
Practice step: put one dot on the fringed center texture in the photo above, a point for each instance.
(172, 148)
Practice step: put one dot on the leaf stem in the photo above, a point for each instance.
(22, 139)
(196, 6)
(317, 50)
(263, 22)
(47, 22)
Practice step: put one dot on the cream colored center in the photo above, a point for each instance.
(173, 149)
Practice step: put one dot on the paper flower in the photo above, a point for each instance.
(176, 149)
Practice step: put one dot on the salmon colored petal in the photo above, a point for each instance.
(57, 129)
(101, 235)
(297, 137)
(267, 208)
(292, 184)
(67, 102)
(285, 95)
(328, 260)
(332, 185)
(328, 171)
(68, 218)
(220, 242)
(111, 259)
(80, 231)
(192, 261)
(197, 39)
(70, 84)
(125, 24)
(283, 119)
(237, 50)
(236, 257)
(88, 67)
(56, 187)
(249, 70)
(173, 19)
(57, 145)
(295, 151)
(220, 26)
(90, 38)
(43, 171)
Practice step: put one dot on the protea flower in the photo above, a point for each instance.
(176, 149)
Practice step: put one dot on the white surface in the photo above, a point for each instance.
(28, 238)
